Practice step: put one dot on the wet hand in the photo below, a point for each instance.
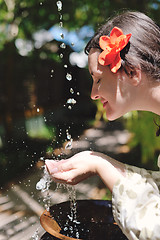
(84, 165)
(74, 169)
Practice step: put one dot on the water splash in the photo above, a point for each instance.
(43, 185)
(36, 235)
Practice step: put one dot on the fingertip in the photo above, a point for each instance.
(49, 162)
(49, 165)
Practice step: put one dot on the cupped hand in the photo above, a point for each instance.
(84, 165)
(74, 169)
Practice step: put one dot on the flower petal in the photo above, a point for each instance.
(106, 57)
(115, 33)
(122, 41)
(104, 42)
(112, 46)
(116, 64)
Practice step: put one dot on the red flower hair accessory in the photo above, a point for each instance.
(111, 47)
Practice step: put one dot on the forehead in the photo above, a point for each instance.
(93, 64)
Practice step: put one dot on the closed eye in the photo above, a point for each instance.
(98, 81)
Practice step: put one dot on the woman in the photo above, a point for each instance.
(124, 62)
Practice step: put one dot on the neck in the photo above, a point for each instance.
(150, 101)
(155, 100)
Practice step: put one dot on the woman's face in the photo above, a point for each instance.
(110, 88)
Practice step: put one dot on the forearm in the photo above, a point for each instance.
(110, 170)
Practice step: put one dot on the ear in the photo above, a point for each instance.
(134, 75)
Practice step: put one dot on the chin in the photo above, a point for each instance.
(112, 117)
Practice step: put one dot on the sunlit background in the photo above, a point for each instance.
(45, 105)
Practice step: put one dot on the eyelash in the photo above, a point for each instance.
(98, 81)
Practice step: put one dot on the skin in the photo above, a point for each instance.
(119, 93)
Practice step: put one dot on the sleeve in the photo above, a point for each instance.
(136, 204)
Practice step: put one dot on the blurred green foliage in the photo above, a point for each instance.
(108, 195)
(142, 126)
(101, 113)
(36, 128)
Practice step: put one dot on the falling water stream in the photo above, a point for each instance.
(44, 183)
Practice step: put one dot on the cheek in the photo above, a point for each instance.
(106, 89)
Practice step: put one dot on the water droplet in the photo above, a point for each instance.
(71, 101)
(65, 66)
(69, 77)
(77, 235)
(69, 144)
(63, 45)
(71, 90)
(61, 24)
(59, 5)
(70, 217)
(62, 35)
(35, 235)
(69, 136)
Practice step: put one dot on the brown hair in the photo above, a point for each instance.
(143, 48)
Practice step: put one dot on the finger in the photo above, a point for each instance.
(66, 165)
(66, 177)
(70, 177)
(51, 166)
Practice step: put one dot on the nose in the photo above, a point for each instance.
(94, 92)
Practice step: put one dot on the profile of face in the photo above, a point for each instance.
(115, 90)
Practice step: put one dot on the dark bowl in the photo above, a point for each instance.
(93, 221)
